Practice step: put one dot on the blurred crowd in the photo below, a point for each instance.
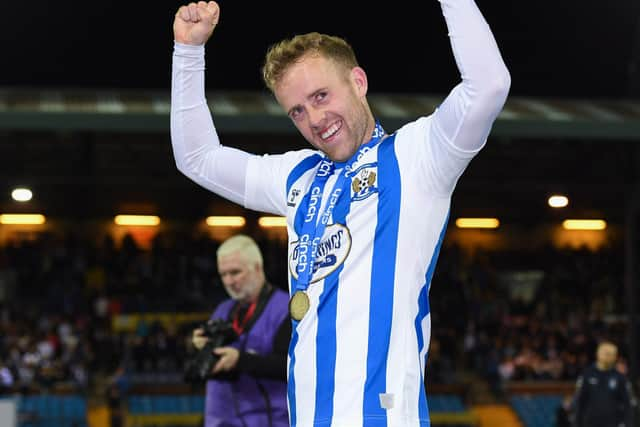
(59, 296)
(534, 315)
(529, 315)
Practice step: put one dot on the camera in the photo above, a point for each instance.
(220, 333)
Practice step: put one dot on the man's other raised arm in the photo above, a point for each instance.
(463, 121)
(466, 116)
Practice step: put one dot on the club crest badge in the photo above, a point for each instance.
(364, 181)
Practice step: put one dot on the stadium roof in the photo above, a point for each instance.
(90, 153)
(258, 112)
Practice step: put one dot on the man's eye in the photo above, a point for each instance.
(296, 113)
(321, 96)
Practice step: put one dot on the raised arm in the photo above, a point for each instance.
(465, 118)
(460, 126)
(196, 146)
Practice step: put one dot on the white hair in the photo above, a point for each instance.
(242, 244)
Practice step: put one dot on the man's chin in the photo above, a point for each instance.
(335, 153)
(341, 157)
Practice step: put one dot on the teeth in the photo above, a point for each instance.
(330, 131)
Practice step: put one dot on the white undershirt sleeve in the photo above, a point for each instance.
(196, 146)
(460, 126)
(255, 182)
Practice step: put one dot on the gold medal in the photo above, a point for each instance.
(298, 305)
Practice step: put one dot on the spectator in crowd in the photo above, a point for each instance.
(603, 395)
(564, 412)
(117, 388)
(6, 378)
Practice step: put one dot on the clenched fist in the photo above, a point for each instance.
(195, 22)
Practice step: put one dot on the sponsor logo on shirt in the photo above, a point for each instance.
(331, 252)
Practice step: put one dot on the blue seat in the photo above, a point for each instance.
(197, 404)
(74, 408)
(445, 403)
(536, 411)
(184, 404)
(26, 404)
(164, 405)
(140, 404)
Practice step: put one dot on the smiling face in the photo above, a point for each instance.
(327, 103)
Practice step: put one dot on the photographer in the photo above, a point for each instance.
(247, 383)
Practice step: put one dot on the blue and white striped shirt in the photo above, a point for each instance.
(358, 355)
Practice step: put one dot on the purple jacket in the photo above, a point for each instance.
(228, 401)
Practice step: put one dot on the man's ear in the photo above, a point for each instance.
(359, 80)
(258, 267)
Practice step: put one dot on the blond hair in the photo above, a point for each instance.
(242, 244)
(289, 51)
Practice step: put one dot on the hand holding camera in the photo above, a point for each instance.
(198, 338)
(213, 335)
(228, 359)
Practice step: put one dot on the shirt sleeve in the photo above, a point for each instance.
(196, 146)
(267, 177)
(255, 182)
(460, 126)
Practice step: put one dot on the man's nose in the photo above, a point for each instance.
(316, 117)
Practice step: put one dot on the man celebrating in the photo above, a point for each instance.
(247, 387)
(366, 211)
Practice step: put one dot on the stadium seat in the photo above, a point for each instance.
(445, 403)
(536, 411)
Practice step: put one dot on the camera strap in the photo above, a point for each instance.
(239, 326)
(252, 312)
(250, 317)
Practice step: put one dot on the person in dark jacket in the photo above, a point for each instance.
(564, 413)
(248, 382)
(603, 395)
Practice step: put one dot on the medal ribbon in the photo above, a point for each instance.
(313, 224)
